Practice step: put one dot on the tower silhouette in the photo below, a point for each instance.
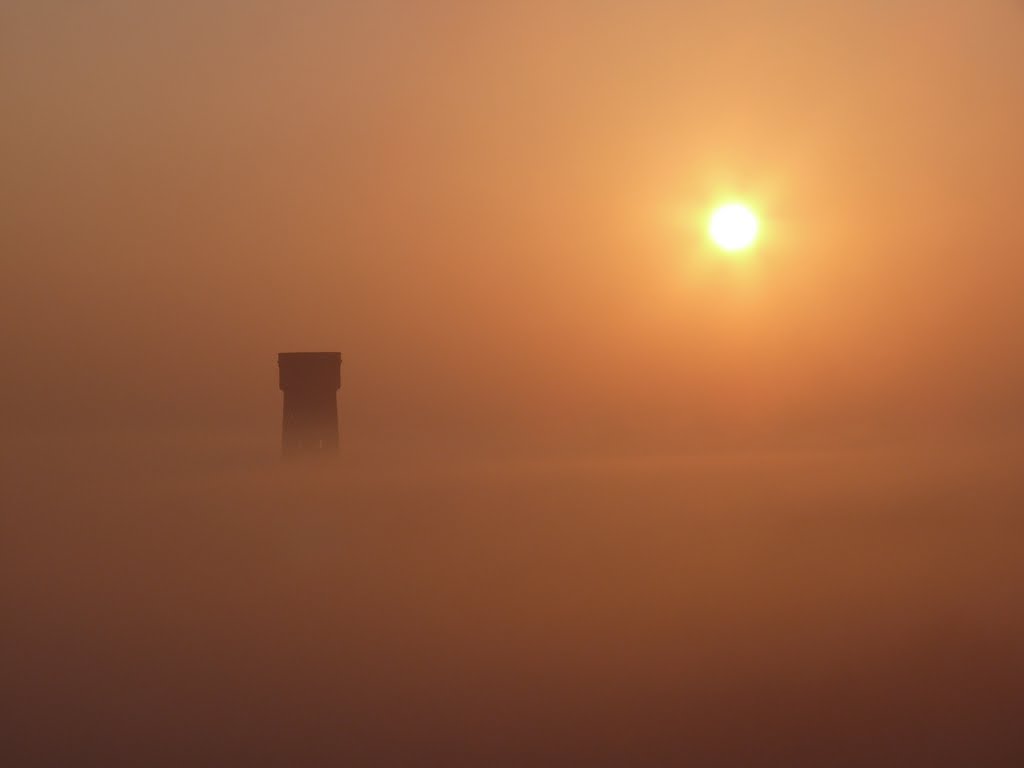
(310, 381)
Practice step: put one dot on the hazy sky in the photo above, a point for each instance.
(493, 210)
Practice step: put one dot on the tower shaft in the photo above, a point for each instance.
(310, 381)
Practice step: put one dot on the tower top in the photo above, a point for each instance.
(289, 357)
(310, 369)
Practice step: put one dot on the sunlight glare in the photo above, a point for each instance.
(734, 227)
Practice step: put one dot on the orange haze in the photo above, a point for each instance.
(604, 498)
(489, 209)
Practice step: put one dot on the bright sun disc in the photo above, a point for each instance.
(734, 227)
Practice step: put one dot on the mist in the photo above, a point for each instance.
(603, 497)
(718, 609)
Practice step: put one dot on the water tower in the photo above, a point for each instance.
(310, 382)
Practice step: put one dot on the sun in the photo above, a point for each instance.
(734, 227)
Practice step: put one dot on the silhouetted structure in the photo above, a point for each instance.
(310, 381)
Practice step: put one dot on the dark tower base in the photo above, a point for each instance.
(310, 381)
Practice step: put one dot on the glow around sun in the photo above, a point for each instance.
(734, 227)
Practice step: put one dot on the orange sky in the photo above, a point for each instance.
(489, 211)
(605, 498)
